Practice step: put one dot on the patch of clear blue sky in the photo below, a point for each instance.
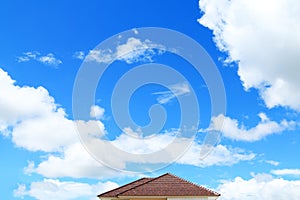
(63, 27)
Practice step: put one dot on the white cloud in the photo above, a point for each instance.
(30, 116)
(74, 162)
(32, 119)
(231, 128)
(48, 59)
(27, 56)
(22, 102)
(101, 56)
(135, 31)
(284, 172)
(272, 162)
(264, 38)
(134, 142)
(63, 190)
(176, 91)
(220, 156)
(79, 55)
(91, 128)
(49, 133)
(97, 112)
(134, 50)
(261, 186)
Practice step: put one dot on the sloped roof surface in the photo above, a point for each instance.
(164, 185)
(124, 188)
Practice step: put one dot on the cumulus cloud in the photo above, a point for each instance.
(261, 186)
(48, 59)
(134, 142)
(97, 112)
(263, 37)
(134, 50)
(30, 116)
(176, 90)
(32, 119)
(233, 130)
(220, 156)
(22, 102)
(63, 190)
(74, 162)
(48, 133)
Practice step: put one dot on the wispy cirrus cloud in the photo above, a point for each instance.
(286, 172)
(27, 56)
(175, 91)
(48, 59)
(272, 162)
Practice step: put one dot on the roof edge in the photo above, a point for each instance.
(122, 187)
(216, 193)
(150, 179)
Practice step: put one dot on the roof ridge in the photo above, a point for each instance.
(124, 186)
(195, 184)
(151, 179)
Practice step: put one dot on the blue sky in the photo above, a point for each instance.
(159, 101)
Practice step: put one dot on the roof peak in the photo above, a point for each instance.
(166, 184)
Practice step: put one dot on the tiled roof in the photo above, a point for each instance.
(164, 185)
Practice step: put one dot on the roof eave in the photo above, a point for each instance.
(132, 197)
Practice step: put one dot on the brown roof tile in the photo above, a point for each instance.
(164, 185)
